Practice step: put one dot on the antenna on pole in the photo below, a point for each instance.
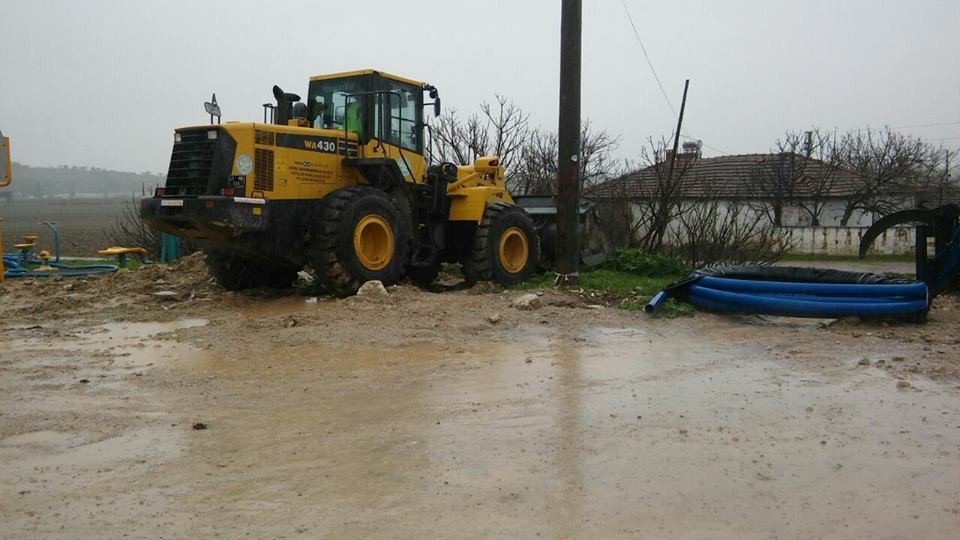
(676, 136)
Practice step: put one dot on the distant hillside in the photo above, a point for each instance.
(67, 180)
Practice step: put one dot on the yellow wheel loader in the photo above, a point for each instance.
(340, 183)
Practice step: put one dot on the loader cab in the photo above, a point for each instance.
(372, 104)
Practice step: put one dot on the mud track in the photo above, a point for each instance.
(196, 413)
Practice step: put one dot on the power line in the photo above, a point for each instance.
(657, 78)
(647, 56)
(714, 148)
(934, 124)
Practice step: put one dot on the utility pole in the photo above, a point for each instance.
(568, 134)
(946, 176)
(676, 137)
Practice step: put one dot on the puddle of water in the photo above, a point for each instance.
(130, 343)
(607, 432)
(287, 305)
(44, 438)
(78, 451)
(592, 434)
(138, 330)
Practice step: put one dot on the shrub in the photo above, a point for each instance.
(635, 261)
(130, 230)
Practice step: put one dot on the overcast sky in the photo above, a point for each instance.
(104, 83)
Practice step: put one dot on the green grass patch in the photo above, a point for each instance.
(614, 281)
(636, 262)
(605, 280)
(621, 289)
(629, 281)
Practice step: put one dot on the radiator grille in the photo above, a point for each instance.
(263, 168)
(190, 164)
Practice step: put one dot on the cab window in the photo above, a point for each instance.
(403, 116)
(328, 103)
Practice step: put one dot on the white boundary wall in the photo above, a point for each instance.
(846, 241)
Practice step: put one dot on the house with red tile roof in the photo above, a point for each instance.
(756, 180)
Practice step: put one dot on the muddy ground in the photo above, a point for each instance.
(199, 413)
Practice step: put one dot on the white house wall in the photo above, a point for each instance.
(845, 241)
(830, 239)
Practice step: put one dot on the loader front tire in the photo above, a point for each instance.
(505, 247)
(359, 237)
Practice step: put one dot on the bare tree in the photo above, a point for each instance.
(659, 196)
(776, 179)
(129, 230)
(888, 163)
(822, 172)
(500, 130)
(938, 178)
(727, 231)
(536, 172)
(529, 156)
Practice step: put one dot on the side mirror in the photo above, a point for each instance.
(436, 107)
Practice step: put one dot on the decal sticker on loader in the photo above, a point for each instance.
(327, 145)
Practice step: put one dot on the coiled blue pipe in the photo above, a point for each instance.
(909, 290)
(806, 306)
(806, 298)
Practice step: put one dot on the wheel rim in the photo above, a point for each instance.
(514, 250)
(373, 242)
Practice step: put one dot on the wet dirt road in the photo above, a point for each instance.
(417, 417)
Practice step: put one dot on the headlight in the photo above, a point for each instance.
(177, 138)
(212, 135)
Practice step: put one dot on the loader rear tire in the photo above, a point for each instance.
(505, 247)
(359, 237)
(235, 273)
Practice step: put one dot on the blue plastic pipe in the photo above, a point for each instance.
(655, 302)
(13, 269)
(879, 290)
(784, 305)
